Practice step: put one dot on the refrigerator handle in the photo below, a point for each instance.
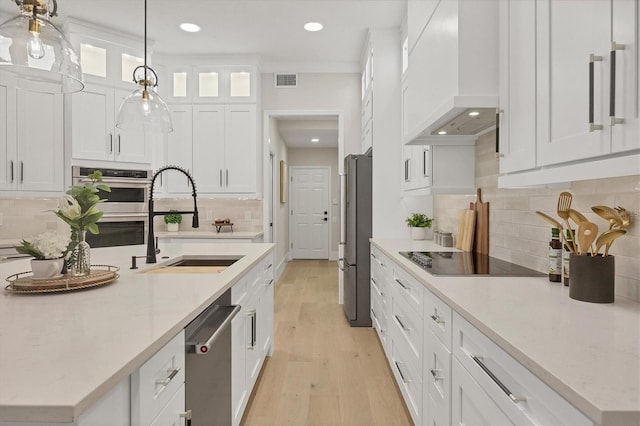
(341, 264)
(343, 208)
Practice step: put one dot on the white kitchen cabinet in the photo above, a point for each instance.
(173, 414)
(240, 148)
(31, 140)
(453, 64)
(439, 169)
(436, 395)
(419, 13)
(212, 83)
(179, 149)
(209, 148)
(94, 135)
(517, 85)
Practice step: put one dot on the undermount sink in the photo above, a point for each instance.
(195, 265)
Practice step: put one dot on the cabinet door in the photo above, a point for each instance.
(254, 352)
(470, 404)
(40, 146)
(179, 148)
(625, 136)
(239, 392)
(7, 144)
(131, 145)
(208, 147)
(92, 120)
(437, 379)
(265, 325)
(568, 32)
(170, 414)
(517, 85)
(240, 151)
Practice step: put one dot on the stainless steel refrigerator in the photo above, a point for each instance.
(356, 261)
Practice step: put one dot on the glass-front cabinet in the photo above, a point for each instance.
(212, 84)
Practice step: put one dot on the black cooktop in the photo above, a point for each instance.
(467, 263)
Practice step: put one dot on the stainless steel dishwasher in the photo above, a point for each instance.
(208, 364)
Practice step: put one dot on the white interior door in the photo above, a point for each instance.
(309, 199)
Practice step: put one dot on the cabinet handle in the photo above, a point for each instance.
(269, 283)
(110, 143)
(512, 397)
(171, 374)
(592, 58)
(437, 318)
(402, 284)
(21, 172)
(375, 285)
(404, 380)
(425, 155)
(401, 324)
(612, 93)
(220, 178)
(11, 171)
(227, 177)
(436, 374)
(268, 266)
(374, 314)
(187, 417)
(119, 144)
(252, 344)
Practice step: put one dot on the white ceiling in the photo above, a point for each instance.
(297, 131)
(270, 29)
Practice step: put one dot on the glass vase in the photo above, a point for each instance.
(80, 261)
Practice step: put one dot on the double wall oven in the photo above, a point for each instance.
(125, 210)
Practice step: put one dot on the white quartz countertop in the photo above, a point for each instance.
(224, 234)
(589, 353)
(61, 352)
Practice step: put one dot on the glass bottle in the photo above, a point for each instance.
(80, 262)
(565, 259)
(555, 256)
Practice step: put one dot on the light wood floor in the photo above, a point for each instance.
(322, 372)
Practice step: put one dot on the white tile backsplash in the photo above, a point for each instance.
(518, 235)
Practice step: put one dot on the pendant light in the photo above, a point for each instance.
(36, 52)
(144, 107)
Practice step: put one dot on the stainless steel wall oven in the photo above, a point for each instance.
(125, 210)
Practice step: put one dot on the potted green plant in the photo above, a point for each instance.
(419, 223)
(173, 221)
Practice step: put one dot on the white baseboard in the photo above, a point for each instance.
(281, 266)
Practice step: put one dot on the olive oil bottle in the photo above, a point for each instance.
(555, 257)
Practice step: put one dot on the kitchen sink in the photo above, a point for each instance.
(205, 261)
(195, 265)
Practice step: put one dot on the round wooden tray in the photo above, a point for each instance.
(24, 283)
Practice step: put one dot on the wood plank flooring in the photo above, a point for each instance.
(322, 371)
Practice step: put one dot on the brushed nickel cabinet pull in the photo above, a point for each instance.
(592, 59)
(479, 360)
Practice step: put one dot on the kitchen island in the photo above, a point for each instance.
(61, 353)
(587, 353)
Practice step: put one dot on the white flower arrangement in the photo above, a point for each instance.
(48, 245)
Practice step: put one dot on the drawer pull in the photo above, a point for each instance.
(187, 417)
(402, 284)
(172, 373)
(436, 374)
(437, 318)
(374, 314)
(375, 285)
(404, 380)
(512, 397)
(401, 324)
(269, 283)
(268, 266)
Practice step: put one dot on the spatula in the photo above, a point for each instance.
(587, 233)
(556, 224)
(564, 205)
(606, 238)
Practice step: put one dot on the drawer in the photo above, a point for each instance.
(378, 288)
(379, 322)
(378, 311)
(382, 264)
(246, 283)
(267, 267)
(410, 384)
(172, 413)
(519, 393)
(438, 318)
(437, 378)
(156, 381)
(408, 288)
(408, 328)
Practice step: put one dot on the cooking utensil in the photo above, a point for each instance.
(606, 238)
(608, 214)
(587, 233)
(576, 216)
(625, 217)
(481, 239)
(556, 224)
(564, 205)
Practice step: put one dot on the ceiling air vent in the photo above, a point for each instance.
(286, 80)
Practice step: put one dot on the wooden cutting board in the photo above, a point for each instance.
(481, 240)
(466, 230)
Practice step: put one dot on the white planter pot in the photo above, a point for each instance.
(173, 227)
(47, 268)
(418, 233)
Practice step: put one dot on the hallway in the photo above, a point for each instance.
(322, 372)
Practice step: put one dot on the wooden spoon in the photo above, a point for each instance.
(564, 205)
(587, 233)
(556, 224)
(606, 238)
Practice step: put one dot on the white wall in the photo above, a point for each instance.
(280, 210)
(327, 157)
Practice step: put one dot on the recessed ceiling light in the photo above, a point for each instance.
(314, 140)
(190, 28)
(474, 113)
(442, 132)
(313, 26)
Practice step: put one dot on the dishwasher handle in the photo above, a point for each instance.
(202, 348)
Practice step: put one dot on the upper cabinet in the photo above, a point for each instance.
(453, 67)
(212, 84)
(568, 90)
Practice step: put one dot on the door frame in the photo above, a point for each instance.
(329, 219)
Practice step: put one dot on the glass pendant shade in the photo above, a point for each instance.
(144, 107)
(39, 56)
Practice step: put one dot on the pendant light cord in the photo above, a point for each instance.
(146, 76)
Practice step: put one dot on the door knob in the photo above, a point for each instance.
(326, 212)
(325, 219)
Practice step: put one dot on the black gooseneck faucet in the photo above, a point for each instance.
(151, 249)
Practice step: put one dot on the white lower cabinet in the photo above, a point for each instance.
(447, 370)
(173, 413)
